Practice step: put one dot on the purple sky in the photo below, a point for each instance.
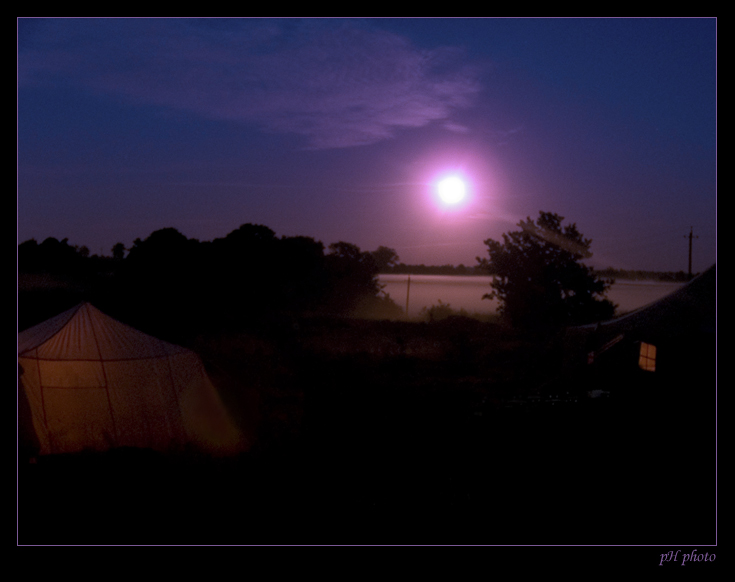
(338, 129)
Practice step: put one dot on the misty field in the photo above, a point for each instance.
(465, 292)
(455, 431)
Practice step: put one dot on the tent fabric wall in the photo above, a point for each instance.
(93, 383)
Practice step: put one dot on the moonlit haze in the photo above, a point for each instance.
(424, 135)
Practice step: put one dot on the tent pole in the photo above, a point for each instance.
(107, 388)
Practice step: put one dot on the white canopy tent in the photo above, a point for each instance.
(93, 383)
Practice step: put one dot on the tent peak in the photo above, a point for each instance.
(92, 382)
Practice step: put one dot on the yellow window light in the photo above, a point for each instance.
(647, 357)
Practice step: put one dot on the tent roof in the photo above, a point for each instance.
(691, 311)
(85, 333)
(692, 306)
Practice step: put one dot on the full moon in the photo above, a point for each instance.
(451, 190)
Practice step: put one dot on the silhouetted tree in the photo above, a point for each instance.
(385, 258)
(165, 253)
(161, 277)
(28, 256)
(302, 278)
(352, 276)
(249, 275)
(118, 251)
(243, 270)
(52, 256)
(539, 278)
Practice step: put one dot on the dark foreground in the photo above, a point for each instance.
(371, 433)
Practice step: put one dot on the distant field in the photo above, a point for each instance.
(466, 292)
(630, 295)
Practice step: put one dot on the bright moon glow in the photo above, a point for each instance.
(451, 190)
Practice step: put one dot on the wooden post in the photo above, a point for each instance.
(408, 289)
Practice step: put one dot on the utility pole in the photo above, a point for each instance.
(408, 288)
(690, 236)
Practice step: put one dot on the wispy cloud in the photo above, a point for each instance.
(337, 83)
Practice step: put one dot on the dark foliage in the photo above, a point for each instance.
(52, 256)
(539, 276)
(250, 275)
(385, 259)
(353, 277)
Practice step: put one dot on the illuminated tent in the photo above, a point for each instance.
(89, 382)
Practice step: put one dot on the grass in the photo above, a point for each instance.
(384, 432)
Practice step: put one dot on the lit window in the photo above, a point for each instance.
(647, 358)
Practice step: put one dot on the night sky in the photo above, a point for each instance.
(338, 129)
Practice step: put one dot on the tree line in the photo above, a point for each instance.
(246, 275)
(634, 275)
(539, 276)
(460, 270)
